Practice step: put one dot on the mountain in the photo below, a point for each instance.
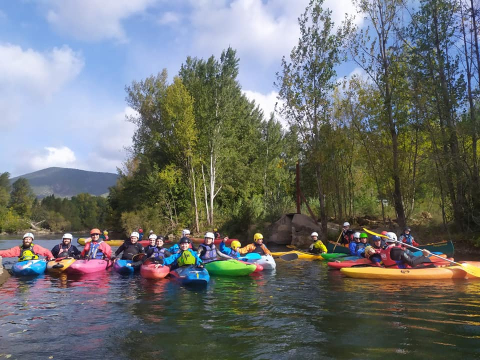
(68, 182)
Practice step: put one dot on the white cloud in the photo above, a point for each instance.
(93, 20)
(168, 18)
(267, 103)
(51, 156)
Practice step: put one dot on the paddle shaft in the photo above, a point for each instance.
(339, 236)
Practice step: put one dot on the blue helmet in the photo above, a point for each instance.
(376, 238)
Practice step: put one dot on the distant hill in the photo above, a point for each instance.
(68, 182)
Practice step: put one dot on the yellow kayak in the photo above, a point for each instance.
(82, 241)
(301, 255)
(435, 273)
(55, 266)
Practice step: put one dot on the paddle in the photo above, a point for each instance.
(470, 269)
(138, 257)
(289, 257)
(339, 236)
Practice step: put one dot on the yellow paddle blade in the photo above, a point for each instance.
(471, 270)
(374, 233)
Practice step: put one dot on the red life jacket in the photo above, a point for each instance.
(387, 259)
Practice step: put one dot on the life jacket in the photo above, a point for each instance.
(27, 254)
(187, 258)
(353, 248)
(94, 252)
(259, 249)
(209, 252)
(159, 253)
(63, 252)
(388, 261)
(408, 239)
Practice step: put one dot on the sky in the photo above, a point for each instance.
(64, 65)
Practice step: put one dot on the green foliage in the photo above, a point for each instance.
(21, 197)
(12, 222)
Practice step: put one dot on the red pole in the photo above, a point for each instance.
(298, 189)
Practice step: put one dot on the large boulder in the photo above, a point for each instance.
(281, 231)
(302, 227)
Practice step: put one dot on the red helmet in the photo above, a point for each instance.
(384, 232)
(140, 230)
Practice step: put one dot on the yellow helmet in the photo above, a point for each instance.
(257, 237)
(235, 244)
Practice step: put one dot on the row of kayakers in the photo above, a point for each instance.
(348, 236)
(180, 254)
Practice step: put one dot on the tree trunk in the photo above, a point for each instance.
(323, 213)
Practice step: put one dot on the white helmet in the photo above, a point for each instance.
(152, 236)
(185, 232)
(67, 236)
(314, 234)
(346, 223)
(391, 237)
(209, 235)
(356, 235)
(28, 235)
(150, 232)
(134, 234)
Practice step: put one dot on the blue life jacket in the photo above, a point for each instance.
(94, 252)
(159, 253)
(353, 248)
(408, 239)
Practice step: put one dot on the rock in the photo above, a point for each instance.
(4, 275)
(302, 227)
(281, 231)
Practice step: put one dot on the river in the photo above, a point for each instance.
(302, 310)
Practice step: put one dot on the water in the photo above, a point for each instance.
(300, 311)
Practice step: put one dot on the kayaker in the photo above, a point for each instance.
(65, 248)
(96, 249)
(130, 248)
(396, 256)
(151, 242)
(104, 235)
(216, 233)
(317, 246)
(208, 252)
(373, 252)
(347, 234)
(28, 250)
(407, 237)
(157, 252)
(140, 234)
(232, 250)
(353, 244)
(184, 257)
(360, 250)
(257, 247)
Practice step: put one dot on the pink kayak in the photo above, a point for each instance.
(88, 266)
(150, 271)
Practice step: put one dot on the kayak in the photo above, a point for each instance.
(333, 256)
(435, 273)
(340, 264)
(149, 270)
(29, 268)
(267, 262)
(82, 241)
(123, 267)
(87, 266)
(59, 265)
(191, 276)
(444, 247)
(230, 268)
(301, 255)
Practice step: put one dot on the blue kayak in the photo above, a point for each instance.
(29, 268)
(191, 276)
(123, 267)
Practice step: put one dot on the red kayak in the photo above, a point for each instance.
(366, 262)
(150, 270)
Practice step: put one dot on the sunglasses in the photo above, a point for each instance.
(95, 234)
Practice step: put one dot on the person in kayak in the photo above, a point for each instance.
(353, 244)
(176, 248)
(347, 234)
(373, 252)
(157, 252)
(232, 250)
(129, 249)
(185, 257)
(217, 234)
(395, 256)
(65, 248)
(104, 235)
(28, 250)
(317, 246)
(407, 237)
(96, 249)
(152, 238)
(140, 234)
(360, 250)
(257, 247)
(208, 252)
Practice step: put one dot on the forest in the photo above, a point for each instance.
(396, 140)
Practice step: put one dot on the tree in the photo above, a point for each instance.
(21, 197)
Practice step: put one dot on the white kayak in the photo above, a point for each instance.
(267, 261)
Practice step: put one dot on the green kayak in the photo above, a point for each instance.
(333, 256)
(230, 268)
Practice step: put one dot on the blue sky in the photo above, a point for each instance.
(64, 65)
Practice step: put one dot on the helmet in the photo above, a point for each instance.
(356, 235)
(185, 232)
(184, 240)
(235, 244)
(346, 223)
(391, 237)
(314, 234)
(105, 232)
(209, 235)
(140, 230)
(95, 231)
(363, 235)
(135, 234)
(150, 232)
(29, 235)
(161, 238)
(407, 229)
(152, 236)
(257, 237)
(215, 229)
(67, 236)
(384, 232)
(376, 238)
